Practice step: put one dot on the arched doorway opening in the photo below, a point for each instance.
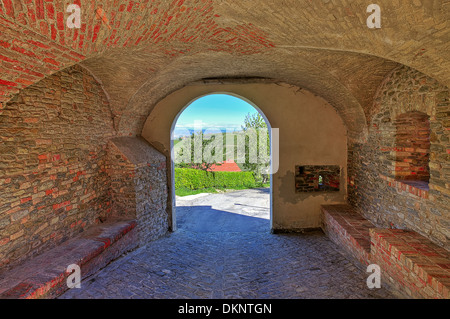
(234, 134)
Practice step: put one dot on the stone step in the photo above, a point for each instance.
(45, 276)
(412, 265)
(415, 265)
(347, 228)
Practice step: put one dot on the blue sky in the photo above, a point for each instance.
(216, 111)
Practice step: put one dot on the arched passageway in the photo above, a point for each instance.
(244, 153)
(310, 132)
(85, 114)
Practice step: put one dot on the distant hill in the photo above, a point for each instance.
(180, 132)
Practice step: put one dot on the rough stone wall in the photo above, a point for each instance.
(139, 185)
(53, 182)
(122, 174)
(151, 199)
(373, 188)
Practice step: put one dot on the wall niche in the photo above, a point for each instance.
(317, 178)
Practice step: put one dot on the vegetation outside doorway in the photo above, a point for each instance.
(212, 156)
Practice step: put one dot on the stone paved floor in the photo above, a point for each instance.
(222, 263)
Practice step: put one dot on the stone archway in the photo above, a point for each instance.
(310, 133)
(273, 136)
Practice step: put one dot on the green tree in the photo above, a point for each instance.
(208, 154)
(257, 155)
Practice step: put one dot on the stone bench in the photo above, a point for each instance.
(413, 264)
(45, 276)
(344, 226)
(410, 264)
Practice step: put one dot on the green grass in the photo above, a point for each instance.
(186, 192)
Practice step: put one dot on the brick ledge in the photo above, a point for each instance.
(348, 228)
(414, 266)
(405, 187)
(45, 275)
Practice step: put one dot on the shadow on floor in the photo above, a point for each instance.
(207, 219)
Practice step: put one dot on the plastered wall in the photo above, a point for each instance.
(310, 133)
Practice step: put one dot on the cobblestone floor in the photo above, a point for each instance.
(226, 264)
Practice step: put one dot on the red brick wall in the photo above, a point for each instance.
(53, 182)
(35, 40)
(412, 146)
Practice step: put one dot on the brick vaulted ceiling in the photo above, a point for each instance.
(142, 50)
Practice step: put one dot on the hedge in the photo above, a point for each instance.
(189, 178)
